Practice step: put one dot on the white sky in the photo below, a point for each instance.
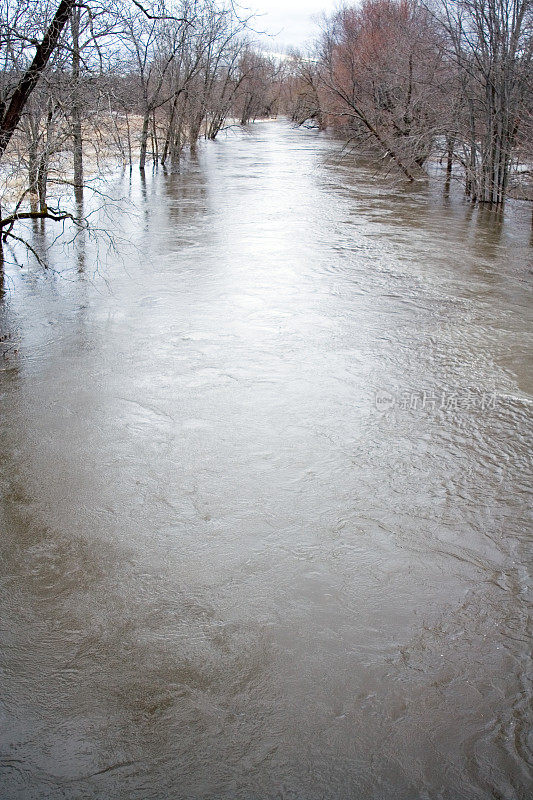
(291, 21)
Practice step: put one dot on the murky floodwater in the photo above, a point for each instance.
(225, 572)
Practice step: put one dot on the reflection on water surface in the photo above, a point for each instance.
(225, 572)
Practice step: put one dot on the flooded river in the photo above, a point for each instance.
(265, 481)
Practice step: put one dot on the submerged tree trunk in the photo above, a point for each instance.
(450, 144)
(42, 182)
(171, 136)
(144, 140)
(194, 132)
(77, 138)
(128, 132)
(33, 171)
(155, 140)
(176, 146)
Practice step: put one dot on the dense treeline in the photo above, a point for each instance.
(417, 82)
(86, 82)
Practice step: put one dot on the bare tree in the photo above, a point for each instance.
(491, 45)
(380, 73)
(12, 110)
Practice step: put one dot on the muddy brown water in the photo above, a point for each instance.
(265, 491)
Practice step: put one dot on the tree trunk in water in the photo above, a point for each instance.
(470, 187)
(77, 138)
(130, 155)
(155, 148)
(195, 133)
(168, 139)
(33, 173)
(170, 130)
(42, 182)
(450, 144)
(176, 148)
(144, 140)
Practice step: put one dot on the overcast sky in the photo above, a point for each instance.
(291, 20)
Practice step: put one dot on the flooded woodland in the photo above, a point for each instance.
(266, 400)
